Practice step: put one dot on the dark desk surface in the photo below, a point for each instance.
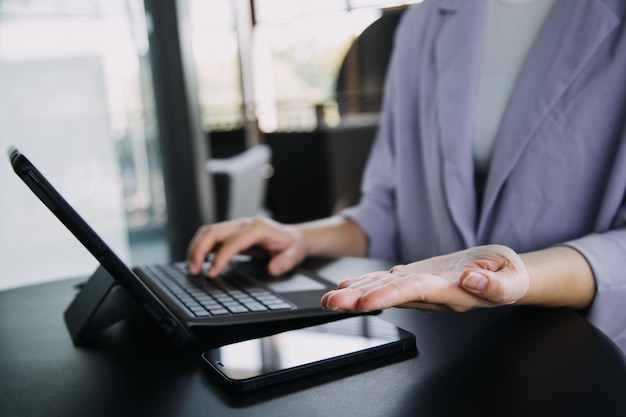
(507, 361)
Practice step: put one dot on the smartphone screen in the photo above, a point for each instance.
(259, 362)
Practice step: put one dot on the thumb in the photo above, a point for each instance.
(499, 287)
(474, 282)
(283, 262)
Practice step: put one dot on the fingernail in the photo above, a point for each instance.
(475, 282)
(326, 301)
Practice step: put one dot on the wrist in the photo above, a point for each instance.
(335, 236)
(558, 277)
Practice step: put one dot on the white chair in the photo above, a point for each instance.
(241, 182)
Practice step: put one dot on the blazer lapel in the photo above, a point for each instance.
(573, 32)
(457, 52)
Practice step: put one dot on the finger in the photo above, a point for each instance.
(201, 245)
(373, 278)
(324, 300)
(284, 261)
(235, 244)
(349, 292)
(368, 293)
(346, 300)
(434, 293)
(207, 238)
(351, 282)
(419, 290)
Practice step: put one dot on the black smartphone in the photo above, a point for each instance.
(256, 363)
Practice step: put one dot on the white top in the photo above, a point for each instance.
(512, 27)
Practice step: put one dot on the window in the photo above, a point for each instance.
(296, 51)
(300, 47)
(76, 98)
(216, 56)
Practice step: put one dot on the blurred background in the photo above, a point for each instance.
(154, 117)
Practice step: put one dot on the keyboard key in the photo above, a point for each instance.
(218, 311)
(256, 307)
(237, 308)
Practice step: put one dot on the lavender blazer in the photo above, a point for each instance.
(558, 172)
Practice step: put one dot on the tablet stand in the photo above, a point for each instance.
(100, 303)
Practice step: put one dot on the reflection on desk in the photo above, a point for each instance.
(505, 361)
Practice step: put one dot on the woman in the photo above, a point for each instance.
(494, 179)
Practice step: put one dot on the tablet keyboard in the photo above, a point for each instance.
(216, 297)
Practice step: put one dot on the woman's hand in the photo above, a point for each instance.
(283, 244)
(483, 276)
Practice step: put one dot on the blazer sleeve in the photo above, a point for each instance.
(376, 211)
(606, 254)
